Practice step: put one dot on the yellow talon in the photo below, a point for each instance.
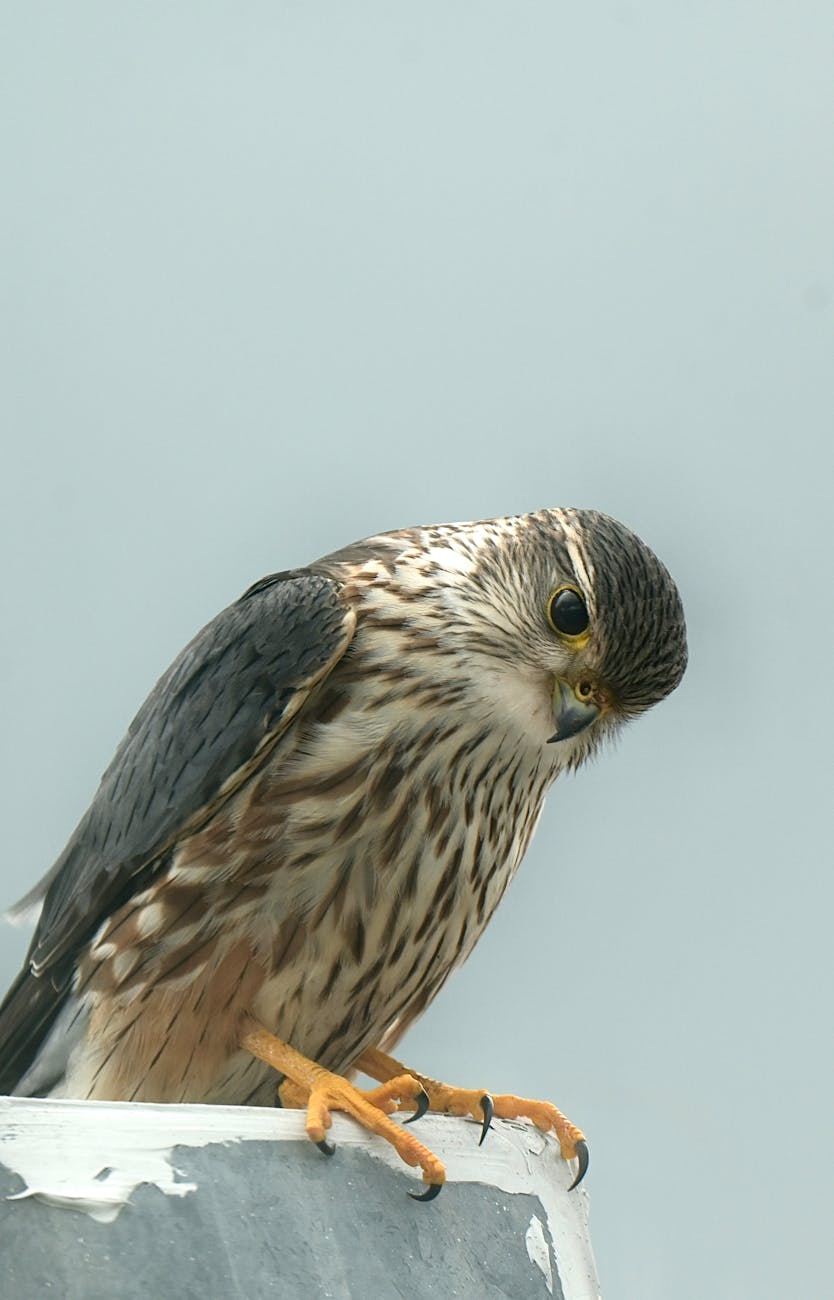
(326, 1092)
(481, 1105)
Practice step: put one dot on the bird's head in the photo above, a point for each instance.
(577, 602)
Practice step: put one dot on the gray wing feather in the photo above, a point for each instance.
(227, 696)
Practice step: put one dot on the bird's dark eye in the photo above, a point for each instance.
(567, 612)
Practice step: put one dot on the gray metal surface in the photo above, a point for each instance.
(259, 1226)
(213, 1203)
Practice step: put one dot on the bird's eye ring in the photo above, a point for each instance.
(567, 612)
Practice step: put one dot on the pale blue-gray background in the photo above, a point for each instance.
(278, 275)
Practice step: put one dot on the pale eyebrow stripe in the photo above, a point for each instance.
(579, 558)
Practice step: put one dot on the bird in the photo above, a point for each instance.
(316, 812)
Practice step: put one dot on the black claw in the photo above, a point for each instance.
(583, 1158)
(326, 1147)
(489, 1110)
(429, 1194)
(422, 1100)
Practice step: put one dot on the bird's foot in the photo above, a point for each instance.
(548, 1118)
(482, 1106)
(324, 1092)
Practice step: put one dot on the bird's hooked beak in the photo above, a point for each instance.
(575, 707)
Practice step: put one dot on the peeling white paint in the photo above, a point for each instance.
(539, 1250)
(92, 1156)
(90, 1161)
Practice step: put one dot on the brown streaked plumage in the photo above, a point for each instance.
(320, 805)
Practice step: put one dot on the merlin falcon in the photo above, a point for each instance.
(317, 810)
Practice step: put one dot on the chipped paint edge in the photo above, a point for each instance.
(538, 1250)
(92, 1155)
